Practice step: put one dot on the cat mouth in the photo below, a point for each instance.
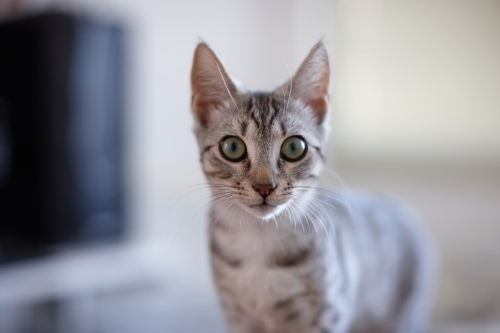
(265, 210)
(263, 205)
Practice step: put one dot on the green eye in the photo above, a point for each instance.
(294, 148)
(233, 148)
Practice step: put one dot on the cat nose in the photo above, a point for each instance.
(264, 189)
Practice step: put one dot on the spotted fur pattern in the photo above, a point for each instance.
(301, 259)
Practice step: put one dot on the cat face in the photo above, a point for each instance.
(261, 150)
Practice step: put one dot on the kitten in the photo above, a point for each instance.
(287, 256)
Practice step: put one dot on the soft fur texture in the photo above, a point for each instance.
(301, 259)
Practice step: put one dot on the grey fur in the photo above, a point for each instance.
(310, 260)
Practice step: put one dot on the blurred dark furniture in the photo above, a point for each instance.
(60, 133)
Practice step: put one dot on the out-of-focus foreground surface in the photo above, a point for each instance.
(416, 114)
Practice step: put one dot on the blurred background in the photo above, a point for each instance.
(99, 229)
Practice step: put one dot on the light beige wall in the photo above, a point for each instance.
(418, 80)
(418, 86)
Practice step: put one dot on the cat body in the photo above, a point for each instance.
(288, 256)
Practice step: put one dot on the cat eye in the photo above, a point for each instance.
(233, 148)
(293, 149)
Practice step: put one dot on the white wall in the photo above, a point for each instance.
(418, 84)
(419, 80)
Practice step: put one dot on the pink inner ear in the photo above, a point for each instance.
(210, 84)
(311, 81)
(202, 107)
(319, 106)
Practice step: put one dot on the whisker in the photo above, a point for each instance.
(232, 218)
(199, 184)
(293, 222)
(327, 215)
(294, 210)
(321, 190)
(296, 217)
(310, 218)
(213, 225)
(306, 206)
(287, 215)
(227, 104)
(327, 203)
(188, 223)
(284, 95)
(241, 210)
(179, 220)
(336, 176)
(336, 208)
(291, 85)
(170, 198)
(275, 222)
(199, 189)
(198, 201)
(227, 197)
(225, 85)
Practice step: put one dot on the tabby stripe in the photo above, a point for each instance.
(283, 128)
(254, 118)
(244, 126)
(214, 247)
(276, 108)
(275, 113)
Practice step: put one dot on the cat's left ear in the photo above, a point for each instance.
(211, 86)
(311, 82)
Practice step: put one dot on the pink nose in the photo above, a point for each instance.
(264, 189)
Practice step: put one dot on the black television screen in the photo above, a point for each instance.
(60, 133)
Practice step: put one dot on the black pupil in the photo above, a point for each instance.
(234, 146)
(292, 146)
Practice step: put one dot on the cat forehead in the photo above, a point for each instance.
(263, 114)
(260, 114)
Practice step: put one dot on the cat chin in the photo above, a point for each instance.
(265, 212)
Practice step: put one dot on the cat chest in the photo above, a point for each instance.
(261, 273)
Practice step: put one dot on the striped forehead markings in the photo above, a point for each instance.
(243, 125)
(263, 110)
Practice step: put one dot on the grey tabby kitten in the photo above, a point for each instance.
(287, 256)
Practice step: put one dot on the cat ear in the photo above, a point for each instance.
(311, 82)
(210, 84)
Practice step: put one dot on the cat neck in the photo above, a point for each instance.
(239, 236)
(232, 217)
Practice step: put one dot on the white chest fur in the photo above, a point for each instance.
(251, 260)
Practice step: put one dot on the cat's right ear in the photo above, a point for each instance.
(211, 86)
(311, 82)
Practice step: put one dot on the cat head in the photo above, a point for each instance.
(261, 150)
